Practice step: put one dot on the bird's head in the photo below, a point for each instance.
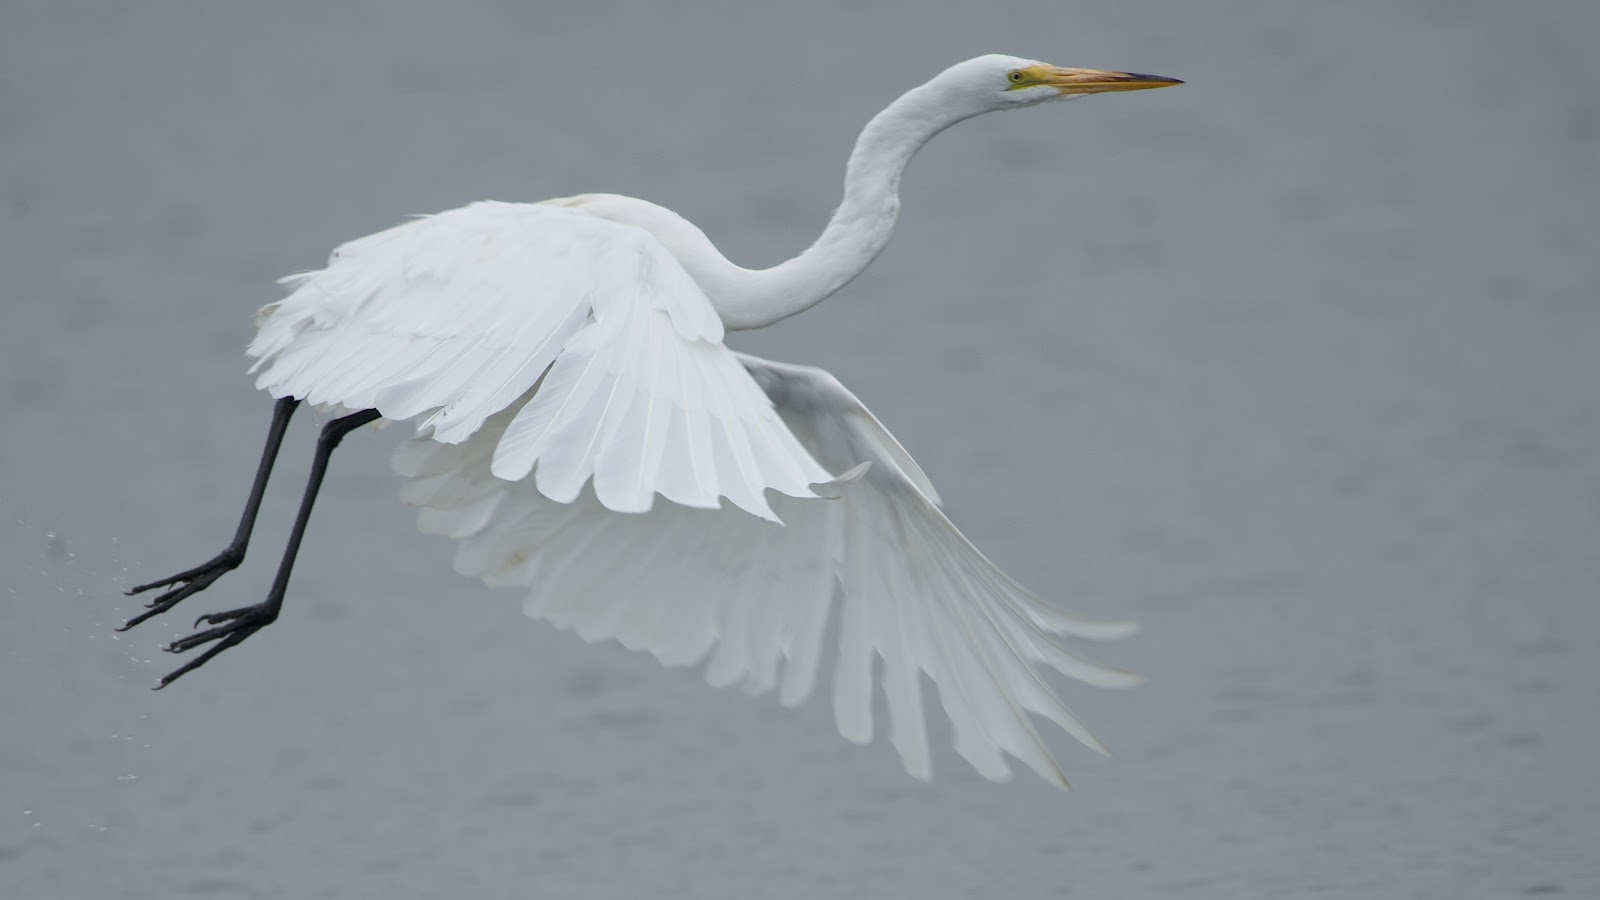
(996, 82)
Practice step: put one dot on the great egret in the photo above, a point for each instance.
(577, 342)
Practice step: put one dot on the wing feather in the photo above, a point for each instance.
(754, 599)
(852, 678)
(452, 318)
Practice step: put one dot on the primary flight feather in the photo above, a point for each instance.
(585, 434)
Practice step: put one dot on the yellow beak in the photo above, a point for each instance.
(1087, 81)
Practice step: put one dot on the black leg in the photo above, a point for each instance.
(192, 581)
(232, 627)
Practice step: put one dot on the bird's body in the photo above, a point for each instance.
(585, 433)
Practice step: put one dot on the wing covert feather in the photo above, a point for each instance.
(452, 318)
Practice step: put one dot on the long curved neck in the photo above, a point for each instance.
(859, 229)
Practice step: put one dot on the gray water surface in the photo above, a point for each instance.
(1296, 364)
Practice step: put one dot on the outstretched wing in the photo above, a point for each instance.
(454, 317)
(756, 597)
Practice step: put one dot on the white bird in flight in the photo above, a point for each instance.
(564, 363)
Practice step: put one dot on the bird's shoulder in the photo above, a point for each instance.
(679, 236)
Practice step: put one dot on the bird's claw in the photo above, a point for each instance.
(189, 582)
(207, 571)
(246, 620)
(228, 616)
(228, 628)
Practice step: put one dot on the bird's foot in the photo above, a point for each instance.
(228, 628)
(185, 584)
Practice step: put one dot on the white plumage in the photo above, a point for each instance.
(564, 363)
(453, 317)
(686, 583)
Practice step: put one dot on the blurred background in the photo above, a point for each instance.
(1296, 364)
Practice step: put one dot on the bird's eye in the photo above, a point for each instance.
(1016, 77)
